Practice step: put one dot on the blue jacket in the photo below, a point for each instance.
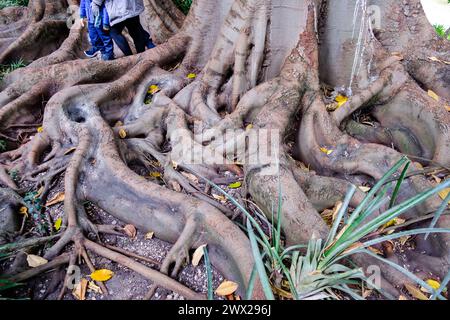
(85, 12)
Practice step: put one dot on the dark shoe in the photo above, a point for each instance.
(91, 53)
(150, 44)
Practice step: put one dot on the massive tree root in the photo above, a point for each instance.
(256, 67)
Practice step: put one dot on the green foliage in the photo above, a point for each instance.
(8, 68)
(14, 175)
(34, 206)
(321, 272)
(183, 5)
(208, 274)
(6, 284)
(13, 3)
(441, 31)
(2, 145)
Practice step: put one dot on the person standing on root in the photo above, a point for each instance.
(98, 29)
(125, 14)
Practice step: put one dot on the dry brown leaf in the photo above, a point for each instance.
(130, 230)
(198, 254)
(353, 247)
(416, 293)
(79, 292)
(94, 288)
(59, 197)
(220, 198)
(192, 178)
(438, 60)
(437, 179)
(35, 261)
(364, 189)
(404, 240)
(226, 288)
(282, 293)
(375, 250)
(366, 293)
(175, 186)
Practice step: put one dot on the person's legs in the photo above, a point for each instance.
(148, 40)
(135, 29)
(107, 49)
(96, 42)
(119, 39)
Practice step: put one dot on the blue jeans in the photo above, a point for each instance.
(101, 41)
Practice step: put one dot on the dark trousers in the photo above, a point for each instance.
(101, 41)
(136, 31)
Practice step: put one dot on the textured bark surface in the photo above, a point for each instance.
(259, 62)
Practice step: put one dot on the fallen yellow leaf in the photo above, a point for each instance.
(40, 129)
(447, 108)
(433, 95)
(433, 283)
(191, 76)
(102, 275)
(122, 133)
(130, 230)
(444, 193)
(58, 224)
(155, 174)
(153, 89)
(235, 185)
(57, 198)
(226, 288)
(326, 151)
(394, 222)
(198, 254)
(79, 291)
(149, 235)
(341, 100)
(24, 211)
(416, 293)
(35, 261)
(249, 127)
